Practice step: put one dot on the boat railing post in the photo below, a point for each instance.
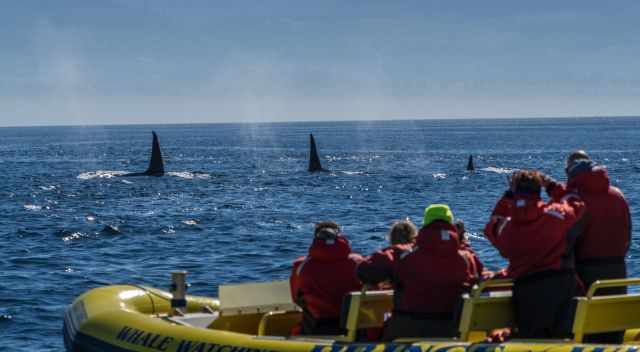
(178, 292)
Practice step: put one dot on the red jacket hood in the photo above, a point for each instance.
(330, 250)
(439, 238)
(527, 208)
(594, 181)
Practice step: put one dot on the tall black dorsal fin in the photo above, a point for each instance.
(470, 166)
(156, 166)
(314, 159)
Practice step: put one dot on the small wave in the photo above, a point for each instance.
(127, 182)
(440, 176)
(498, 170)
(189, 175)
(110, 229)
(476, 236)
(99, 174)
(73, 236)
(47, 188)
(33, 207)
(191, 222)
(4, 317)
(332, 158)
(354, 173)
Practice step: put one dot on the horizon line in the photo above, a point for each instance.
(318, 120)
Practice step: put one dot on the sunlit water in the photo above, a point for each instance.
(237, 203)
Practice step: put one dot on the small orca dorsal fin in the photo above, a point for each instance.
(156, 166)
(314, 159)
(470, 166)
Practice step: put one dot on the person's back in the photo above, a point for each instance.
(320, 280)
(601, 250)
(537, 239)
(607, 233)
(428, 278)
(402, 238)
(435, 274)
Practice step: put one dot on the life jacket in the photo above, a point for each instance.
(478, 266)
(320, 280)
(535, 236)
(432, 277)
(608, 225)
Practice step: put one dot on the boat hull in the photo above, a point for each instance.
(133, 319)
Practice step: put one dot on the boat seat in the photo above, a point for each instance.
(367, 309)
(256, 298)
(596, 314)
(484, 310)
(242, 307)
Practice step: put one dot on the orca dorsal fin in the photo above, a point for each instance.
(314, 159)
(156, 166)
(470, 166)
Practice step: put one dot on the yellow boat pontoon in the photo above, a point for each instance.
(259, 317)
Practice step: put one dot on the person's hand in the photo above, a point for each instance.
(498, 335)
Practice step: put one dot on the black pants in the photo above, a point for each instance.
(419, 325)
(313, 326)
(601, 269)
(544, 304)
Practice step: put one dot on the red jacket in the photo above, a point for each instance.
(608, 225)
(320, 280)
(428, 278)
(477, 264)
(535, 236)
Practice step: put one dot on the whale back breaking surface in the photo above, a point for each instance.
(314, 159)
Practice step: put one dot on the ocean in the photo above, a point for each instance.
(238, 204)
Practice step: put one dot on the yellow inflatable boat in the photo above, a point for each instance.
(259, 317)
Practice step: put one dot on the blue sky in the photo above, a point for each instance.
(132, 61)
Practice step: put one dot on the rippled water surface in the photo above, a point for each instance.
(238, 204)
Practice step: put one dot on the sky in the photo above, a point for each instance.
(133, 61)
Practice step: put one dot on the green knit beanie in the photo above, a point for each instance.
(437, 212)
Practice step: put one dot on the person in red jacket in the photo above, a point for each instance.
(537, 239)
(465, 245)
(320, 281)
(402, 237)
(428, 278)
(601, 250)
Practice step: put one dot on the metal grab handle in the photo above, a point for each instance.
(610, 283)
(478, 289)
(262, 327)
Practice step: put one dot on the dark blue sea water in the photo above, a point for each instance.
(239, 205)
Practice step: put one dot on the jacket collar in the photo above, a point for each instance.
(330, 249)
(439, 238)
(595, 180)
